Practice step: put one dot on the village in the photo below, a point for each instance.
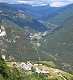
(33, 67)
(27, 66)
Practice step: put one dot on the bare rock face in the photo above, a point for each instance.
(2, 31)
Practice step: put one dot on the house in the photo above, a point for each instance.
(23, 65)
(29, 65)
(41, 69)
(3, 57)
(26, 66)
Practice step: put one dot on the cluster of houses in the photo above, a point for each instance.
(34, 67)
(38, 35)
(28, 66)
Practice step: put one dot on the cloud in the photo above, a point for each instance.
(53, 3)
(8, 1)
(34, 2)
(59, 3)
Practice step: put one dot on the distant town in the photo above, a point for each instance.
(29, 66)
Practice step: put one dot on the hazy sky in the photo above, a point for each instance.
(55, 3)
